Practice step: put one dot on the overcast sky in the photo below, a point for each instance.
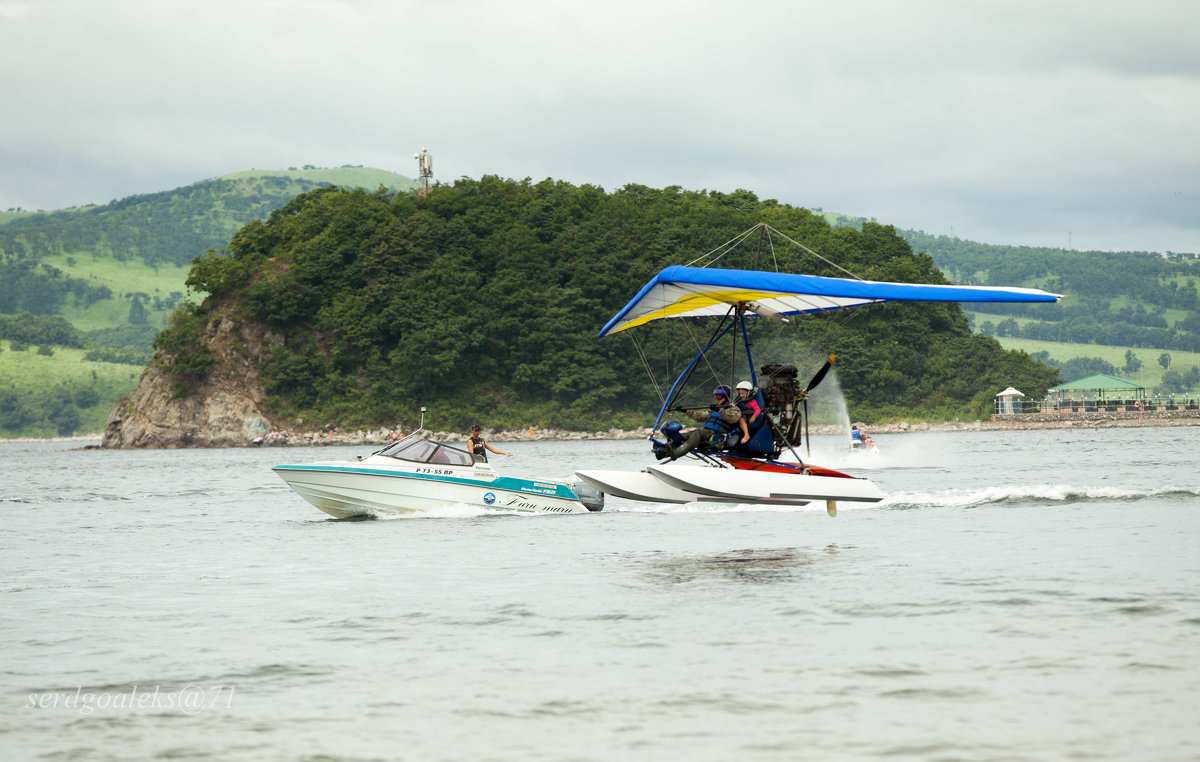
(1044, 123)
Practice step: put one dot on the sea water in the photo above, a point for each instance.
(1017, 596)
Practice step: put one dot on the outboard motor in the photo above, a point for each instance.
(592, 498)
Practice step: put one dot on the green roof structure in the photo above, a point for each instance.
(1098, 382)
(1094, 392)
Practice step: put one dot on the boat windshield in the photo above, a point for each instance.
(423, 451)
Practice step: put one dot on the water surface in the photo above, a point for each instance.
(1018, 596)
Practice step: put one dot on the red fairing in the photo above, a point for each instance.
(748, 464)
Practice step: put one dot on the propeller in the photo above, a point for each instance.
(820, 374)
(816, 379)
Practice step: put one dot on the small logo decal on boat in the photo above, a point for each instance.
(489, 498)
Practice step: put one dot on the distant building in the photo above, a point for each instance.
(1098, 392)
(1008, 402)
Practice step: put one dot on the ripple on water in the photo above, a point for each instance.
(751, 566)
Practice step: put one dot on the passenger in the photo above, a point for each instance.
(859, 438)
(479, 446)
(719, 420)
(746, 402)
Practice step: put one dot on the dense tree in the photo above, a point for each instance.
(26, 286)
(1133, 363)
(28, 328)
(487, 295)
(138, 314)
(183, 352)
(1082, 367)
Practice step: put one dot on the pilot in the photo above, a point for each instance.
(720, 420)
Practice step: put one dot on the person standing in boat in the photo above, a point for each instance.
(479, 446)
(719, 421)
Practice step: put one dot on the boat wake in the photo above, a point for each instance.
(911, 452)
(1049, 495)
(817, 506)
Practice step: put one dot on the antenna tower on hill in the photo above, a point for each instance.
(424, 170)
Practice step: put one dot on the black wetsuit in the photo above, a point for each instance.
(477, 448)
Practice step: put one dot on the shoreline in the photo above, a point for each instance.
(1020, 422)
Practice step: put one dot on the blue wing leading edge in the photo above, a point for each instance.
(707, 292)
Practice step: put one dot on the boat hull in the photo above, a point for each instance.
(777, 488)
(635, 485)
(347, 490)
(770, 484)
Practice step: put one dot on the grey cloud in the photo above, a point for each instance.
(1013, 123)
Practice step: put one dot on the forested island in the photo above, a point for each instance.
(353, 309)
(84, 292)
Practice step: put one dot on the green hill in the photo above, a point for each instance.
(116, 271)
(485, 299)
(1118, 301)
(91, 263)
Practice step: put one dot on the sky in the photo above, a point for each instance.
(1065, 124)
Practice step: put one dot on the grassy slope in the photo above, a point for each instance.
(1150, 374)
(1172, 316)
(28, 370)
(360, 177)
(123, 278)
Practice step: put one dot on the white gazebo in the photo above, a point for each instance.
(1008, 402)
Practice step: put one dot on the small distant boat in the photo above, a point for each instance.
(863, 448)
(415, 475)
(861, 443)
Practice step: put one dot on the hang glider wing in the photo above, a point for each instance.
(708, 292)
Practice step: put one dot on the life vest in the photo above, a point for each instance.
(721, 433)
(856, 435)
(717, 424)
(477, 448)
(749, 408)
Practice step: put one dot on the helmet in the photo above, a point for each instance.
(721, 390)
(745, 385)
(671, 427)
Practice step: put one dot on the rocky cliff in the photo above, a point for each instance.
(225, 411)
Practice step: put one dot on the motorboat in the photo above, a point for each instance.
(415, 475)
(722, 467)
